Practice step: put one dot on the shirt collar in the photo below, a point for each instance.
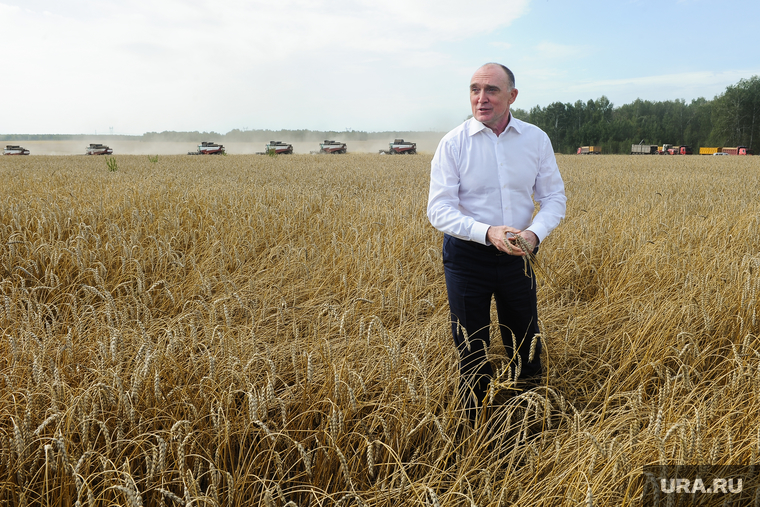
(475, 126)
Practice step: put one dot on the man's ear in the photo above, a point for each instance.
(512, 96)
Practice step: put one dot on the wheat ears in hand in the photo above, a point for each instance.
(528, 258)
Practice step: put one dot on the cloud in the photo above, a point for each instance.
(686, 84)
(239, 34)
(544, 86)
(142, 60)
(262, 26)
(562, 51)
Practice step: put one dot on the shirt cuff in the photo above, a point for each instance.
(478, 233)
(539, 230)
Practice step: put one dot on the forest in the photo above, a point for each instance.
(730, 119)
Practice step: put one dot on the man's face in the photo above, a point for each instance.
(491, 96)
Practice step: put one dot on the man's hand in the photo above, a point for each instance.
(502, 237)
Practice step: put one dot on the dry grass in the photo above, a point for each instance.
(250, 330)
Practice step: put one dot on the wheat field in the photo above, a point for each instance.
(251, 330)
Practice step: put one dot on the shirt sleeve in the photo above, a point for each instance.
(443, 209)
(549, 193)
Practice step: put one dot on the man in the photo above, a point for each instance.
(484, 178)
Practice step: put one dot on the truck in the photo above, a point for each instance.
(669, 149)
(13, 149)
(332, 147)
(399, 147)
(279, 148)
(738, 150)
(644, 149)
(208, 148)
(590, 150)
(98, 149)
(706, 150)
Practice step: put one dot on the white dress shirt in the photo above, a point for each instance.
(478, 180)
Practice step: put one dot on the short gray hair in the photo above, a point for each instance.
(510, 75)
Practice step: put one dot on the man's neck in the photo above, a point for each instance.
(498, 129)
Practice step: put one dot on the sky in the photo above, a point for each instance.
(135, 66)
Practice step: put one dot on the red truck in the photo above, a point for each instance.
(739, 150)
(669, 149)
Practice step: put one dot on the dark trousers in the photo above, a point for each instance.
(475, 273)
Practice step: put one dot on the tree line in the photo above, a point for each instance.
(730, 119)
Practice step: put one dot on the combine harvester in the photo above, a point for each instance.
(207, 148)
(277, 148)
(98, 149)
(332, 147)
(399, 147)
(589, 150)
(12, 149)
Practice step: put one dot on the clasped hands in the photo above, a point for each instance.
(503, 238)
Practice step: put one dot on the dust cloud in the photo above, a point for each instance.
(427, 142)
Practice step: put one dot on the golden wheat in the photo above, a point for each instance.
(250, 330)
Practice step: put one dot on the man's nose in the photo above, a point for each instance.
(482, 97)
